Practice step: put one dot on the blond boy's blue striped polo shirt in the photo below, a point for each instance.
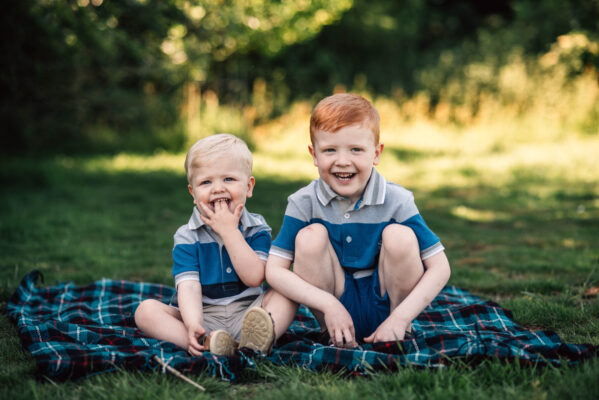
(199, 254)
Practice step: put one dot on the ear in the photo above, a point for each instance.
(313, 154)
(191, 193)
(378, 149)
(251, 184)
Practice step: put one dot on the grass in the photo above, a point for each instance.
(518, 214)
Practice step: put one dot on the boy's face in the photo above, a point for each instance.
(221, 179)
(345, 159)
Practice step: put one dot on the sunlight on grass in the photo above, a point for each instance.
(472, 214)
(429, 156)
(135, 163)
(418, 154)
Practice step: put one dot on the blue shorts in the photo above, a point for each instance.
(361, 297)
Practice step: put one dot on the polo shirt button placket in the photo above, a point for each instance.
(229, 270)
(346, 215)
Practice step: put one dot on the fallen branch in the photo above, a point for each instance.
(177, 373)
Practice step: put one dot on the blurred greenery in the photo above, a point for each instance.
(95, 76)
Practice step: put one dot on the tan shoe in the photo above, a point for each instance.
(221, 343)
(257, 330)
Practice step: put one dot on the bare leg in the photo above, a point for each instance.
(317, 263)
(162, 322)
(400, 266)
(281, 309)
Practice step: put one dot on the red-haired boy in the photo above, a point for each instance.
(364, 260)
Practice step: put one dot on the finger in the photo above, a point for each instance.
(208, 221)
(238, 211)
(193, 343)
(205, 210)
(338, 338)
(218, 205)
(349, 336)
(201, 347)
(223, 204)
(196, 337)
(400, 336)
(370, 339)
(194, 352)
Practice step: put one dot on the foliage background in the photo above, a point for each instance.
(95, 76)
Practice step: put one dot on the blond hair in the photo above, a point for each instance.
(219, 145)
(344, 109)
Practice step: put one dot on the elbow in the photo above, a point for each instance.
(254, 281)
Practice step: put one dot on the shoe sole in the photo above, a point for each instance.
(257, 330)
(221, 343)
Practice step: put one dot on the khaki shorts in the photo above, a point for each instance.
(227, 317)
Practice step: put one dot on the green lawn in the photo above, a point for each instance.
(519, 219)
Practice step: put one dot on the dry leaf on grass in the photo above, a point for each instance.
(591, 292)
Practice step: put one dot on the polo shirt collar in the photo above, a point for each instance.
(246, 220)
(374, 193)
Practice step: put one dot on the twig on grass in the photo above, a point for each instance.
(177, 373)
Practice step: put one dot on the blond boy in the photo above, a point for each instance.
(364, 260)
(219, 261)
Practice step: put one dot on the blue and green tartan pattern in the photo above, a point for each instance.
(74, 331)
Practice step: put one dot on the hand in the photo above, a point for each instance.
(391, 329)
(340, 325)
(195, 338)
(221, 220)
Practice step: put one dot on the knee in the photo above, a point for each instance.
(400, 240)
(311, 240)
(144, 311)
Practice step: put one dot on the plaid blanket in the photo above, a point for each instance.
(74, 331)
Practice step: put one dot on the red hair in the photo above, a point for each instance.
(344, 109)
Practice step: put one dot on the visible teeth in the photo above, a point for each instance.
(219, 200)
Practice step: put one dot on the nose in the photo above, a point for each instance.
(217, 186)
(342, 158)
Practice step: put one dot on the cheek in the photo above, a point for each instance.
(197, 196)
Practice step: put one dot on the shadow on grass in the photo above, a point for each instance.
(77, 224)
(83, 225)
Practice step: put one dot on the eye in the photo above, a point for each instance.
(357, 149)
(229, 179)
(328, 150)
(206, 182)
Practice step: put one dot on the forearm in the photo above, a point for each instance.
(248, 265)
(189, 296)
(294, 287)
(428, 287)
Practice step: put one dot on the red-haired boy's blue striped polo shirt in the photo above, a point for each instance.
(354, 230)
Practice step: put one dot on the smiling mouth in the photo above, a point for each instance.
(214, 202)
(344, 176)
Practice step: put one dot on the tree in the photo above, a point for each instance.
(94, 75)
